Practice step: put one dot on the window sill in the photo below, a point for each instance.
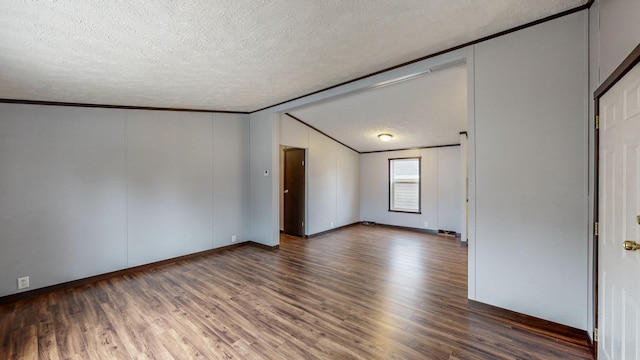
(406, 212)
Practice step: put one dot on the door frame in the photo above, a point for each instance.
(281, 182)
(629, 63)
(303, 183)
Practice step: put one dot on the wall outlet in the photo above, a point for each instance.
(23, 282)
(426, 224)
(233, 238)
(332, 224)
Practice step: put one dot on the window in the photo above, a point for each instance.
(404, 185)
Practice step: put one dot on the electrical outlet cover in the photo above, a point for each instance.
(23, 282)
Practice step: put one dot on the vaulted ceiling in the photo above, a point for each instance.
(229, 54)
(428, 110)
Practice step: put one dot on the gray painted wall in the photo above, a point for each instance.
(322, 183)
(263, 193)
(89, 191)
(440, 192)
(348, 186)
(169, 182)
(618, 33)
(449, 188)
(230, 179)
(530, 138)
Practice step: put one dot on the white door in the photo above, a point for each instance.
(619, 272)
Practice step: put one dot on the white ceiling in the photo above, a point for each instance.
(426, 111)
(228, 54)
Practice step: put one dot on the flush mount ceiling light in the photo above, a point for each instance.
(385, 137)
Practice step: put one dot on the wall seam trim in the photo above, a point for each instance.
(213, 169)
(126, 186)
(475, 182)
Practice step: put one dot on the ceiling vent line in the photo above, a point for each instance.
(412, 76)
(389, 82)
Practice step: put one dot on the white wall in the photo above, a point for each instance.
(449, 193)
(62, 194)
(333, 177)
(618, 33)
(169, 182)
(530, 138)
(323, 188)
(440, 191)
(293, 133)
(263, 190)
(230, 179)
(89, 191)
(348, 185)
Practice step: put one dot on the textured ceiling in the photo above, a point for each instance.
(228, 54)
(426, 111)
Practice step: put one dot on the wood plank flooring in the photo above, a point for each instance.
(359, 293)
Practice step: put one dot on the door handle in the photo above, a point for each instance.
(630, 245)
(286, 191)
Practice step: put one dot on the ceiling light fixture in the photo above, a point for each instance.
(385, 137)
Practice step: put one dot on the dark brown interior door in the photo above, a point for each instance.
(294, 179)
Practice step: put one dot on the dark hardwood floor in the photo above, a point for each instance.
(358, 293)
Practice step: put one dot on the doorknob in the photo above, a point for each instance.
(630, 245)
(286, 191)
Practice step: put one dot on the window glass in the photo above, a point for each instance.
(404, 185)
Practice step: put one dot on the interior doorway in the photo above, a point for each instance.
(294, 179)
(617, 195)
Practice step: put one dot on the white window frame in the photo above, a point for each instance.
(393, 180)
